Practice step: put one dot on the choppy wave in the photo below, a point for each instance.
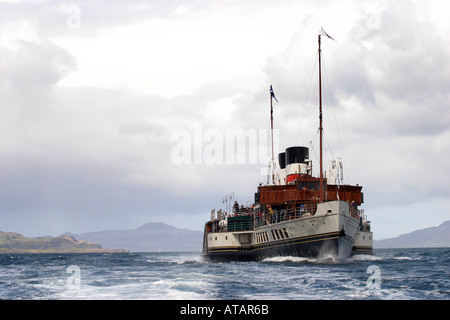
(402, 274)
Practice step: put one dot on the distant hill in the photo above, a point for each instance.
(428, 237)
(151, 237)
(11, 242)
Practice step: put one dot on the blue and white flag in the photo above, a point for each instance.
(272, 94)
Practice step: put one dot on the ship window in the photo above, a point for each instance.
(281, 234)
(216, 238)
(273, 234)
(226, 237)
(301, 185)
(286, 233)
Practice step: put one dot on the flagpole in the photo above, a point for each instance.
(271, 121)
(271, 130)
(320, 124)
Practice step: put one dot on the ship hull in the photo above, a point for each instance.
(327, 246)
(330, 233)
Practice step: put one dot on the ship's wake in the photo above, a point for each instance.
(324, 258)
(319, 260)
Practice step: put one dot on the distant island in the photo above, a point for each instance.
(150, 237)
(11, 242)
(424, 238)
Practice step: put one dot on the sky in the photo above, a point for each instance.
(114, 114)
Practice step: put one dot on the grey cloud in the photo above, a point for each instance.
(33, 65)
(398, 70)
(140, 126)
(87, 17)
(29, 71)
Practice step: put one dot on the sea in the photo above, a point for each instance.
(390, 274)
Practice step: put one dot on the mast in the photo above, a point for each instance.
(271, 120)
(320, 123)
(272, 96)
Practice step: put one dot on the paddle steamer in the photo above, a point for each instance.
(296, 213)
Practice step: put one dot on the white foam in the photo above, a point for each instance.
(178, 259)
(288, 259)
(405, 258)
(364, 257)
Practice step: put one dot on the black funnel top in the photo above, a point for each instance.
(296, 155)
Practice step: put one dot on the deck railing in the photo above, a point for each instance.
(249, 218)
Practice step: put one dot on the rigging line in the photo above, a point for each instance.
(329, 147)
(306, 99)
(335, 118)
(326, 114)
(327, 117)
